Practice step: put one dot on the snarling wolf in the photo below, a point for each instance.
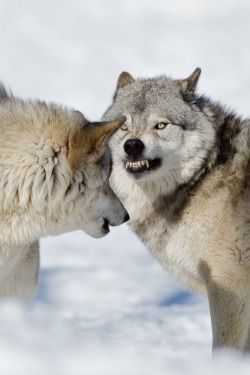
(54, 170)
(181, 168)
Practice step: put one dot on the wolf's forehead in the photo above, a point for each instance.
(147, 95)
(152, 103)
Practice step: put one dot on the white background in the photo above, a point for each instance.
(105, 307)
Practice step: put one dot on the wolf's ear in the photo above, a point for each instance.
(189, 84)
(90, 142)
(103, 130)
(124, 79)
(100, 132)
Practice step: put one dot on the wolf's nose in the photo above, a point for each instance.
(134, 147)
(126, 218)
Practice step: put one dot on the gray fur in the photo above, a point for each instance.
(193, 210)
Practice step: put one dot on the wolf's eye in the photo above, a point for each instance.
(124, 127)
(160, 125)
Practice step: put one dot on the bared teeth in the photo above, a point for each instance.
(137, 164)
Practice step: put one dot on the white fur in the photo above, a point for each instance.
(53, 179)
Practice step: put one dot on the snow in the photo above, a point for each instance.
(105, 307)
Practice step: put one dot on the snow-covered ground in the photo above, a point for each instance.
(105, 307)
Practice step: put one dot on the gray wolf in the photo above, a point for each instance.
(181, 167)
(54, 171)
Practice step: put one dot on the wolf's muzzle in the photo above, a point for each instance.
(108, 222)
(122, 220)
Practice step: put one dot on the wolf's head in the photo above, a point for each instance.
(166, 135)
(90, 162)
(54, 168)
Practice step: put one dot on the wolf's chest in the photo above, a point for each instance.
(182, 245)
(177, 245)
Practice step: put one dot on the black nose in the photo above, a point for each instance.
(134, 147)
(126, 218)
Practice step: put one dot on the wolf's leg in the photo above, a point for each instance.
(228, 297)
(229, 317)
(22, 279)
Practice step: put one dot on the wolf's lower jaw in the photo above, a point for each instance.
(140, 166)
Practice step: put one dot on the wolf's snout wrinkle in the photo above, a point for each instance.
(134, 147)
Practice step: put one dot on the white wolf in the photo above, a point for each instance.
(54, 170)
(181, 167)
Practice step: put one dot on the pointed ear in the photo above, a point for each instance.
(91, 140)
(124, 79)
(101, 131)
(189, 84)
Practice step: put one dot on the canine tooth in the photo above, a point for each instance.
(136, 164)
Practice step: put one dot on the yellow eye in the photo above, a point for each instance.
(124, 127)
(160, 125)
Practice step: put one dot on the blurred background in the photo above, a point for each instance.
(105, 306)
(73, 51)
